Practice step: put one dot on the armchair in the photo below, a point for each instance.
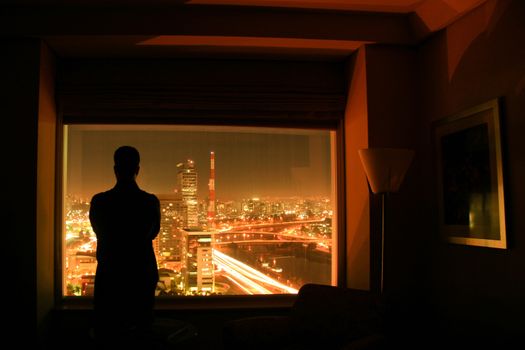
(322, 316)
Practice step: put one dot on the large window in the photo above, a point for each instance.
(244, 210)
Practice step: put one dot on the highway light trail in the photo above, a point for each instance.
(252, 279)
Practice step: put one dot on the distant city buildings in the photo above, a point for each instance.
(198, 268)
(188, 206)
(183, 244)
(192, 231)
(211, 193)
(168, 244)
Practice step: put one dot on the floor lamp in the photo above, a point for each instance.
(385, 169)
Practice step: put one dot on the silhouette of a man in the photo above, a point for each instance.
(125, 219)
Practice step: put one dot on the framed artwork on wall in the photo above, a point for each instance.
(470, 177)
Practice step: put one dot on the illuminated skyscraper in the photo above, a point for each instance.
(211, 186)
(168, 246)
(187, 192)
(198, 265)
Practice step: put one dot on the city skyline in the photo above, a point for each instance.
(263, 248)
(249, 163)
(246, 245)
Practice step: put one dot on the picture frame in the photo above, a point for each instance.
(470, 187)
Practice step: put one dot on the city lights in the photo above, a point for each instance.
(210, 243)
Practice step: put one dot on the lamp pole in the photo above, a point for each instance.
(385, 169)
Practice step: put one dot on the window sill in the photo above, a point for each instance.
(277, 301)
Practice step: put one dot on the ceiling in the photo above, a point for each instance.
(308, 29)
(390, 6)
(399, 6)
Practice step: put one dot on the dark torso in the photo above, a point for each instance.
(125, 220)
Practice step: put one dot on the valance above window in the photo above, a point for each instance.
(202, 91)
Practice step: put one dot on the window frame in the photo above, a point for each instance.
(207, 302)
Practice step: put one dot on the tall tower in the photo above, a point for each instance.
(211, 186)
(187, 190)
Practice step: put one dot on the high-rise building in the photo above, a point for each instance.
(187, 194)
(198, 265)
(211, 187)
(168, 245)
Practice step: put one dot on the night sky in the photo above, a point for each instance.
(249, 162)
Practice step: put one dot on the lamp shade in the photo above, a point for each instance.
(385, 168)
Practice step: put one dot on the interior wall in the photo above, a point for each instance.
(357, 197)
(394, 121)
(479, 58)
(382, 111)
(19, 85)
(45, 196)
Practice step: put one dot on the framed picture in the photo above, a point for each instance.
(470, 177)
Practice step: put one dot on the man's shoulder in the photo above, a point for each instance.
(100, 200)
(100, 196)
(150, 196)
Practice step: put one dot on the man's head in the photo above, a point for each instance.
(127, 161)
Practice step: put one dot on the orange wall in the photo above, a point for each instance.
(394, 121)
(45, 196)
(357, 202)
(383, 111)
(481, 57)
